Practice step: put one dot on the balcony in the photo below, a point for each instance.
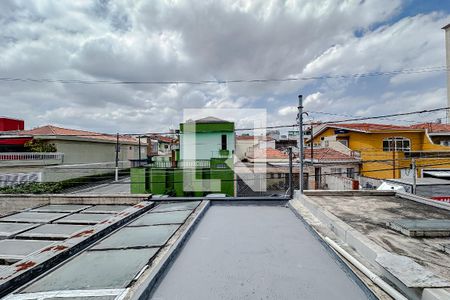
(199, 163)
(12, 159)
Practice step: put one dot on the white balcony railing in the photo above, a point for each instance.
(31, 156)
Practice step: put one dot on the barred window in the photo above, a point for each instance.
(396, 144)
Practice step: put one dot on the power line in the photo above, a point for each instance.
(228, 81)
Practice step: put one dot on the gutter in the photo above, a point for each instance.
(372, 276)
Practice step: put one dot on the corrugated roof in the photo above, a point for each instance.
(50, 130)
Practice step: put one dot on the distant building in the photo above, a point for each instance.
(386, 151)
(246, 143)
(9, 124)
(204, 157)
(329, 169)
(78, 153)
(274, 134)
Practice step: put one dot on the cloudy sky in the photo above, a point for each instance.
(172, 40)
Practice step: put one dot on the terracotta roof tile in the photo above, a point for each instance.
(268, 153)
(367, 127)
(432, 127)
(328, 154)
(59, 131)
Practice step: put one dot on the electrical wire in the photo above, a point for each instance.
(228, 81)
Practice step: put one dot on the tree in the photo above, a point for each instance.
(39, 146)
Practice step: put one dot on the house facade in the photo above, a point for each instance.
(386, 151)
(202, 165)
(77, 153)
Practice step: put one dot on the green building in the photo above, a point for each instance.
(203, 164)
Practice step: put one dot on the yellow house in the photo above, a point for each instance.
(386, 151)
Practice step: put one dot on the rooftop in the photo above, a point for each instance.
(328, 155)
(54, 131)
(433, 127)
(358, 220)
(267, 153)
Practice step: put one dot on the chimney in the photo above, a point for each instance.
(447, 56)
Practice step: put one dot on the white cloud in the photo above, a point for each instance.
(201, 40)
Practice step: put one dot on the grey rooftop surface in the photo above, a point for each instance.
(52, 231)
(70, 208)
(196, 249)
(15, 250)
(33, 217)
(255, 252)
(416, 261)
(10, 229)
(95, 270)
(87, 219)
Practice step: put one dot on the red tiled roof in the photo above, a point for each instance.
(327, 154)
(268, 153)
(51, 130)
(164, 139)
(367, 127)
(252, 137)
(432, 127)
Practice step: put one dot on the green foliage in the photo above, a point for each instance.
(39, 146)
(33, 188)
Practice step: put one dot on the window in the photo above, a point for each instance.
(351, 173)
(336, 171)
(396, 144)
(224, 142)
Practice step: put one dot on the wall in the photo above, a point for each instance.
(378, 163)
(76, 152)
(204, 145)
(242, 147)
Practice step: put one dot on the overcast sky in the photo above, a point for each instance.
(127, 40)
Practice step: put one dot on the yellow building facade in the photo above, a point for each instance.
(387, 151)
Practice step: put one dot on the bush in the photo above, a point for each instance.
(33, 188)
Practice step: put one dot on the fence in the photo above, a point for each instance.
(17, 178)
(8, 156)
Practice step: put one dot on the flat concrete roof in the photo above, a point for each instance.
(255, 252)
(368, 214)
(421, 181)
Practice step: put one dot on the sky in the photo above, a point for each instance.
(221, 40)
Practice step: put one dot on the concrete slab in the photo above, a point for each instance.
(69, 208)
(106, 209)
(52, 231)
(95, 270)
(421, 228)
(11, 229)
(255, 252)
(88, 219)
(33, 217)
(172, 217)
(176, 206)
(409, 272)
(15, 250)
(134, 237)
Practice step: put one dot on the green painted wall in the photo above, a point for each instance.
(157, 178)
(138, 180)
(204, 145)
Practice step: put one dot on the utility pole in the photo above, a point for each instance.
(300, 142)
(117, 158)
(139, 155)
(393, 157)
(291, 188)
(414, 170)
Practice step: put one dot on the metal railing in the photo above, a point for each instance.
(30, 156)
(198, 163)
